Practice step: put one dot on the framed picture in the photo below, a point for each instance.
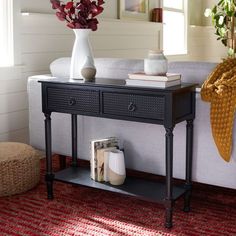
(133, 9)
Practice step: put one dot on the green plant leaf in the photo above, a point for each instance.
(214, 9)
(230, 51)
(221, 15)
(230, 13)
(223, 31)
(221, 2)
(224, 41)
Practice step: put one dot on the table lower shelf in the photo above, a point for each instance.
(144, 189)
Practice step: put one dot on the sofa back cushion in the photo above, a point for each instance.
(192, 72)
(117, 68)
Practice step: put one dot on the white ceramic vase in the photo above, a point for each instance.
(156, 63)
(81, 50)
(117, 171)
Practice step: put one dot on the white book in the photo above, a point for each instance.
(150, 83)
(98, 144)
(143, 76)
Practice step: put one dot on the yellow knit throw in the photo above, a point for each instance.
(220, 90)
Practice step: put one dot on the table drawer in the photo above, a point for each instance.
(134, 105)
(76, 100)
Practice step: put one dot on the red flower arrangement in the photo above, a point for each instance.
(79, 14)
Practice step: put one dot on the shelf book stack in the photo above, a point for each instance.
(159, 81)
(99, 160)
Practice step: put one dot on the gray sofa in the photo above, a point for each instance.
(143, 143)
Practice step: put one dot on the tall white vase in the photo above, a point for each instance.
(117, 171)
(81, 50)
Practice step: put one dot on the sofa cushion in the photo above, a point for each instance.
(60, 67)
(117, 68)
(106, 67)
(192, 72)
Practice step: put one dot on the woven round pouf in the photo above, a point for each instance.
(19, 168)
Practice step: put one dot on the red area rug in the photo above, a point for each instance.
(84, 211)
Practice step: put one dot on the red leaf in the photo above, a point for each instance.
(96, 11)
(55, 4)
(61, 16)
(69, 5)
(72, 10)
(78, 26)
(92, 24)
(100, 2)
(71, 25)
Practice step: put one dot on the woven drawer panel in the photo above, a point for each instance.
(73, 99)
(150, 107)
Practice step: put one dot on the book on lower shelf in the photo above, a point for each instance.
(102, 163)
(98, 144)
(152, 83)
(143, 76)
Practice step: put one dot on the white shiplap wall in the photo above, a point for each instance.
(13, 105)
(114, 38)
(203, 45)
(42, 39)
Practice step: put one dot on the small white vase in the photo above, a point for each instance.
(81, 50)
(117, 171)
(156, 63)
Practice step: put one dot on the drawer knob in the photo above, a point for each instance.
(72, 102)
(132, 107)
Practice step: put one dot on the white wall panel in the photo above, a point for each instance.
(111, 35)
(12, 86)
(203, 45)
(21, 135)
(40, 61)
(46, 43)
(13, 121)
(10, 73)
(12, 102)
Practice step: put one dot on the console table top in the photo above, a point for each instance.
(113, 83)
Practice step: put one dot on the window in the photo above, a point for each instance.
(6, 35)
(175, 27)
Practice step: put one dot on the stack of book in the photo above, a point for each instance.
(99, 157)
(159, 81)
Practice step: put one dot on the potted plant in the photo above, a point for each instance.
(223, 19)
(80, 16)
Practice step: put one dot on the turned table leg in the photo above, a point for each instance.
(74, 140)
(189, 154)
(48, 143)
(169, 174)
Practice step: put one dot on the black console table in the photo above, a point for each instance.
(113, 99)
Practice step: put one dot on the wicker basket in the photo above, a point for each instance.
(19, 168)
